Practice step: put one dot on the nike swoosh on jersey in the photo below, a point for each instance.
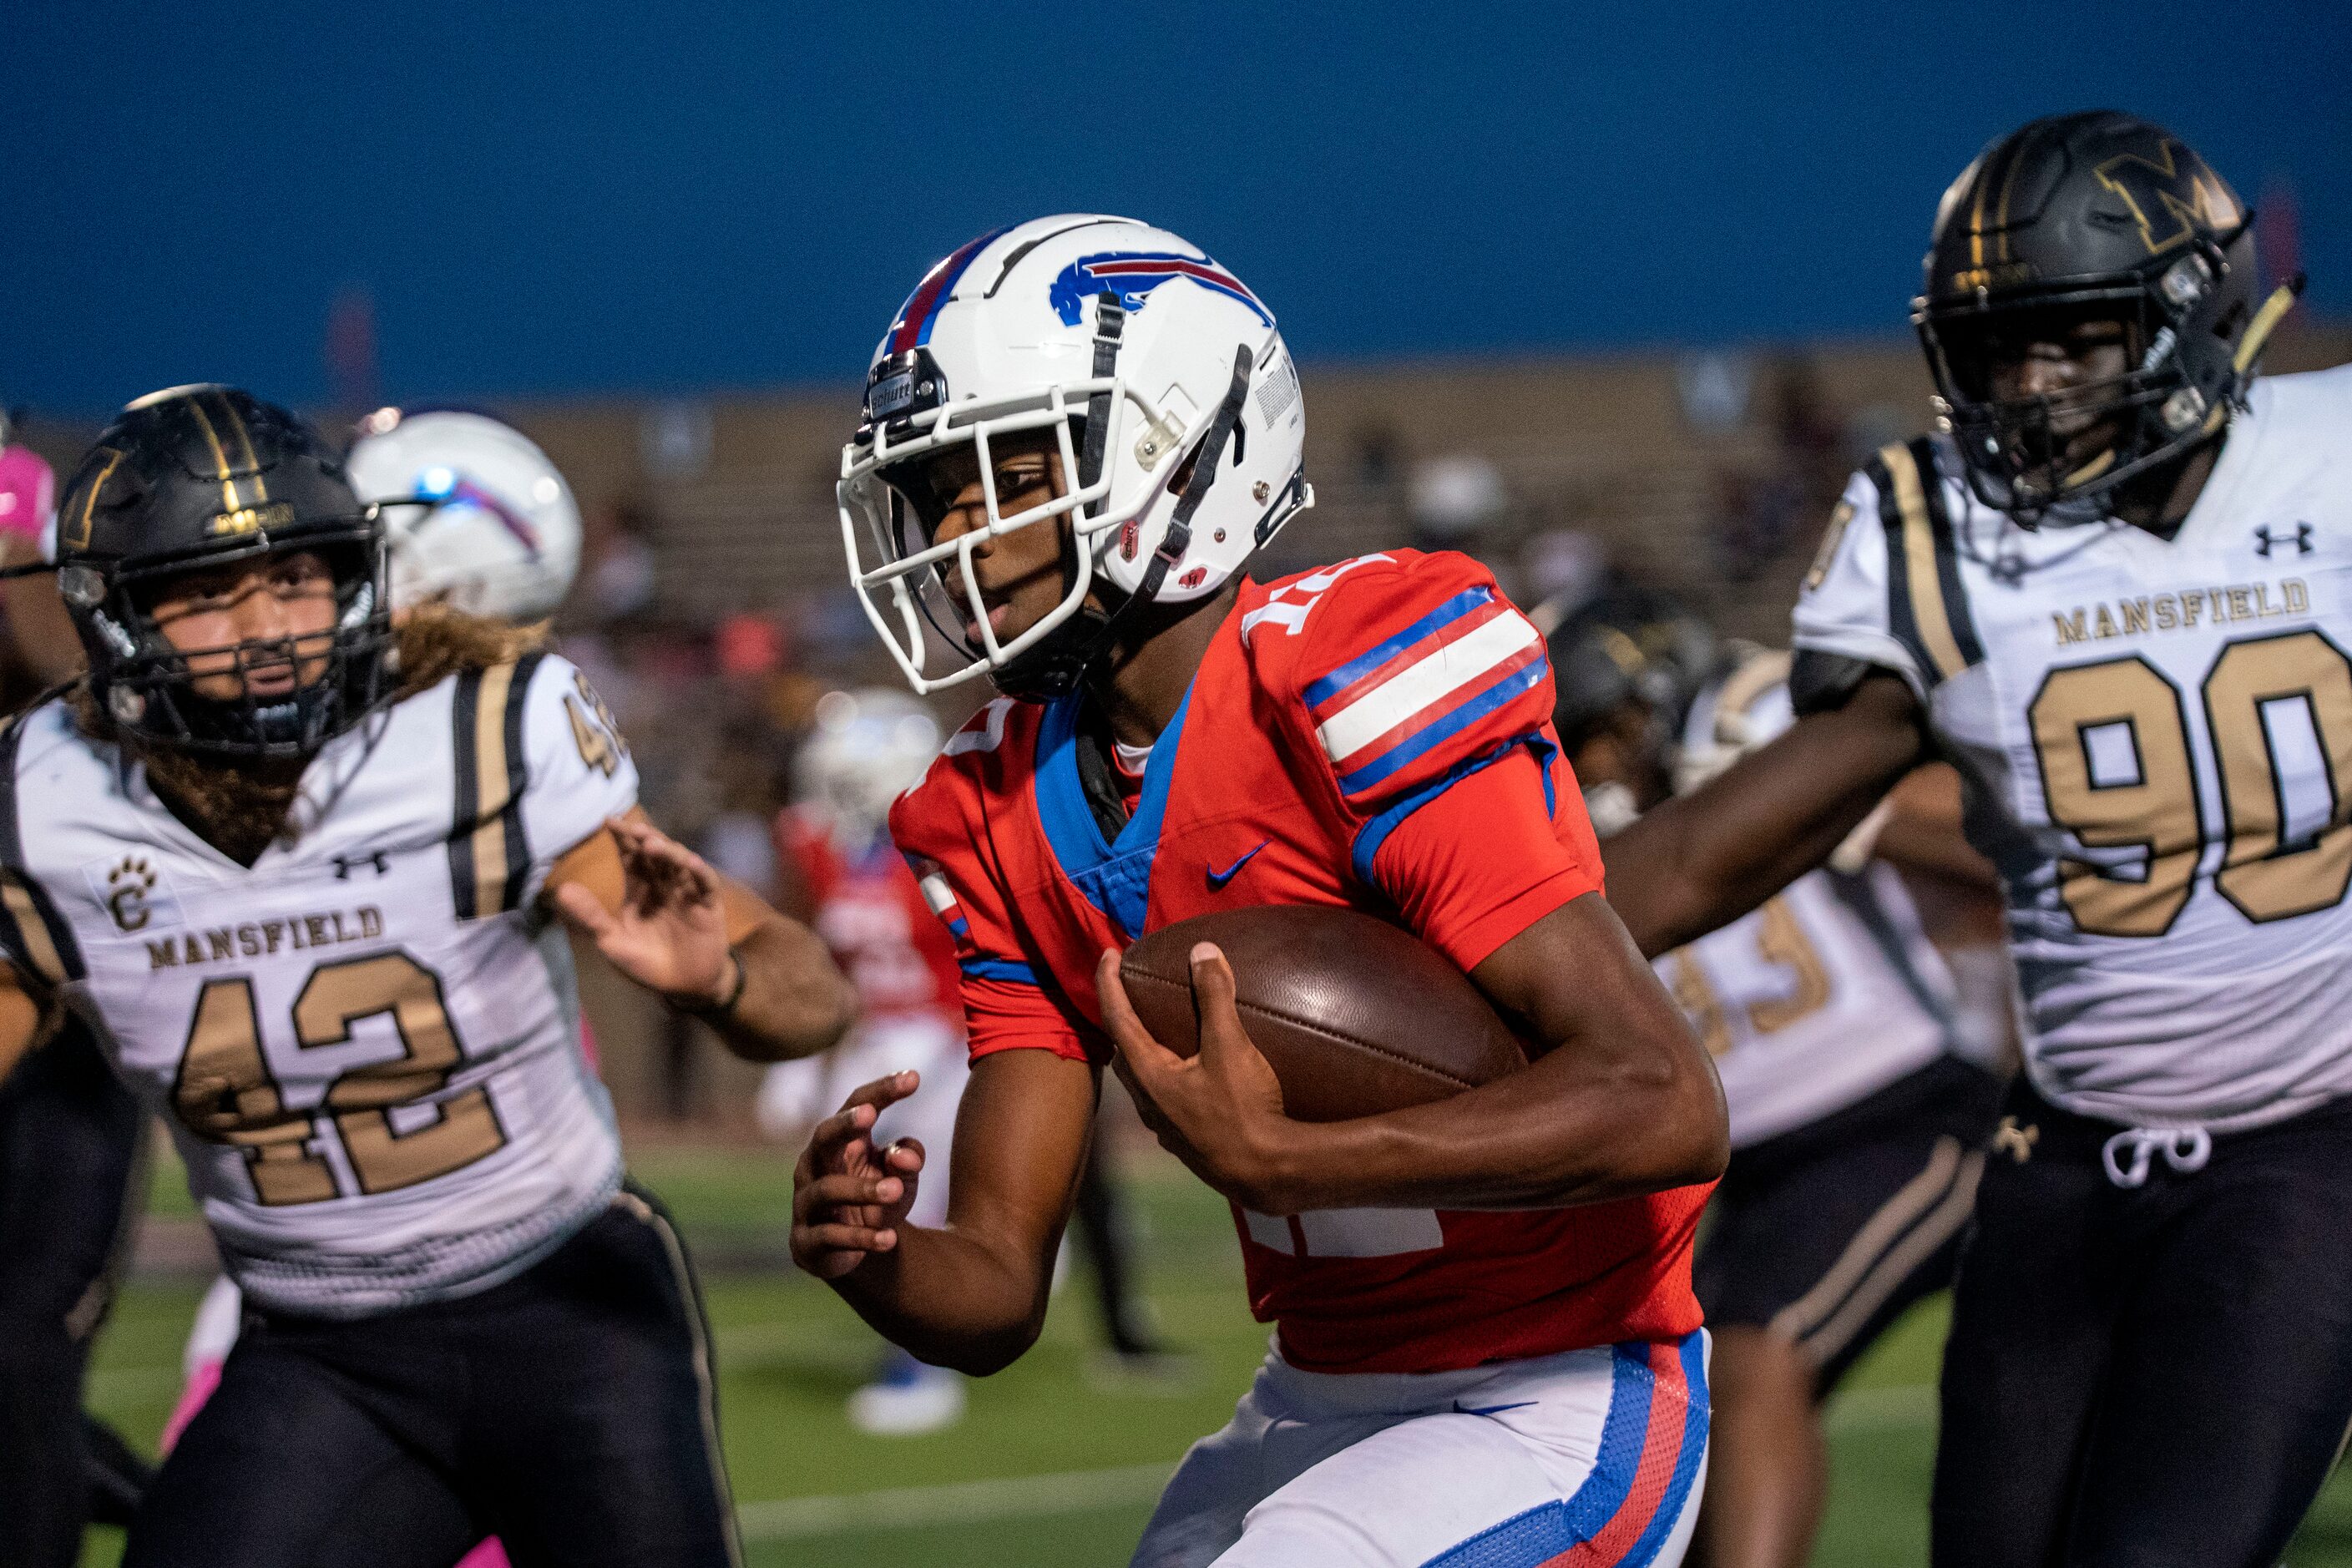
(1461, 1409)
(1219, 878)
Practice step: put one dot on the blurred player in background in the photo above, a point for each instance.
(837, 870)
(1486, 1337)
(1857, 1124)
(476, 519)
(72, 1142)
(2114, 592)
(304, 873)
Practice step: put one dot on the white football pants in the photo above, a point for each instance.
(1594, 1458)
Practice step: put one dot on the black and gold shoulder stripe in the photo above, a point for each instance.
(35, 935)
(1926, 606)
(488, 855)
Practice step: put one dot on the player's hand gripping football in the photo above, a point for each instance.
(670, 933)
(848, 1197)
(1221, 1111)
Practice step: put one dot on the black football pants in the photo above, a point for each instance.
(568, 1410)
(70, 1138)
(2152, 1376)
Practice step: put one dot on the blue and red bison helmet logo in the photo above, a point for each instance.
(1133, 274)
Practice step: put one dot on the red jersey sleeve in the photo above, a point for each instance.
(1426, 698)
(1010, 1002)
(1490, 855)
(1408, 667)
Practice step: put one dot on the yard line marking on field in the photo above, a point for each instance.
(959, 1502)
(1883, 1409)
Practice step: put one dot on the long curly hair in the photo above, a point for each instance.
(240, 808)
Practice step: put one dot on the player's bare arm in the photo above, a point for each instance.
(1702, 859)
(1923, 831)
(971, 1295)
(20, 1020)
(702, 941)
(1619, 1099)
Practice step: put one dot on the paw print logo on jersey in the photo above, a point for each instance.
(128, 886)
(134, 891)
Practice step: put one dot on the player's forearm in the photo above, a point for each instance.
(971, 1295)
(1580, 1126)
(950, 1300)
(1704, 859)
(20, 1022)
(794, 1001)
(1923, 833)
(1620, 1098)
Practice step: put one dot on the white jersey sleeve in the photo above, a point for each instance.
(579, 768)
(1887, 585)
(541, 766)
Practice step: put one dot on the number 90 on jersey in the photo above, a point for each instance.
(2120, 771)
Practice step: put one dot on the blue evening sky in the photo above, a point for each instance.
(668, 197)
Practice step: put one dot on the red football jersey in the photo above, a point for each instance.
(871, 913)
(1376, 735)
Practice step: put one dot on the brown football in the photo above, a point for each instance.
(1356, 1016)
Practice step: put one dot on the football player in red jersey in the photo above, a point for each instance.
(1076, 434)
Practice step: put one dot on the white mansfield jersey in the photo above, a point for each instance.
(2159, 739)
(1824, 995)
(366, 1045)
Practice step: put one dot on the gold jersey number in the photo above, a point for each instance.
(225, 1093)
(2154, 807)
(1781, 943)
(594, 729)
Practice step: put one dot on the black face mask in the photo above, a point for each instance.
(149, 692)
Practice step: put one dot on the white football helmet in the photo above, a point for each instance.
(1138, 352)
(474, 515)
(868, 748)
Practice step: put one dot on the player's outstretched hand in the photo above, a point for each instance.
(670, 933)
(1220, 1112)
(849, 1197)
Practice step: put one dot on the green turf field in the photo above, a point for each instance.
(1055, 1465)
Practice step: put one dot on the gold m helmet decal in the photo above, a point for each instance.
(2173, 196)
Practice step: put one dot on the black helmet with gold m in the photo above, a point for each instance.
(184, 484)
(2100, 218)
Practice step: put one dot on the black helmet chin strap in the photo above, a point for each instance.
(1053, 668)
(1110, 326)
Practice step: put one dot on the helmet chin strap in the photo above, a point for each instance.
(1055, 666)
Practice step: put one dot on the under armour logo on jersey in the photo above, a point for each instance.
(377, 858)
(2266, 541)
(2014, 1140)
